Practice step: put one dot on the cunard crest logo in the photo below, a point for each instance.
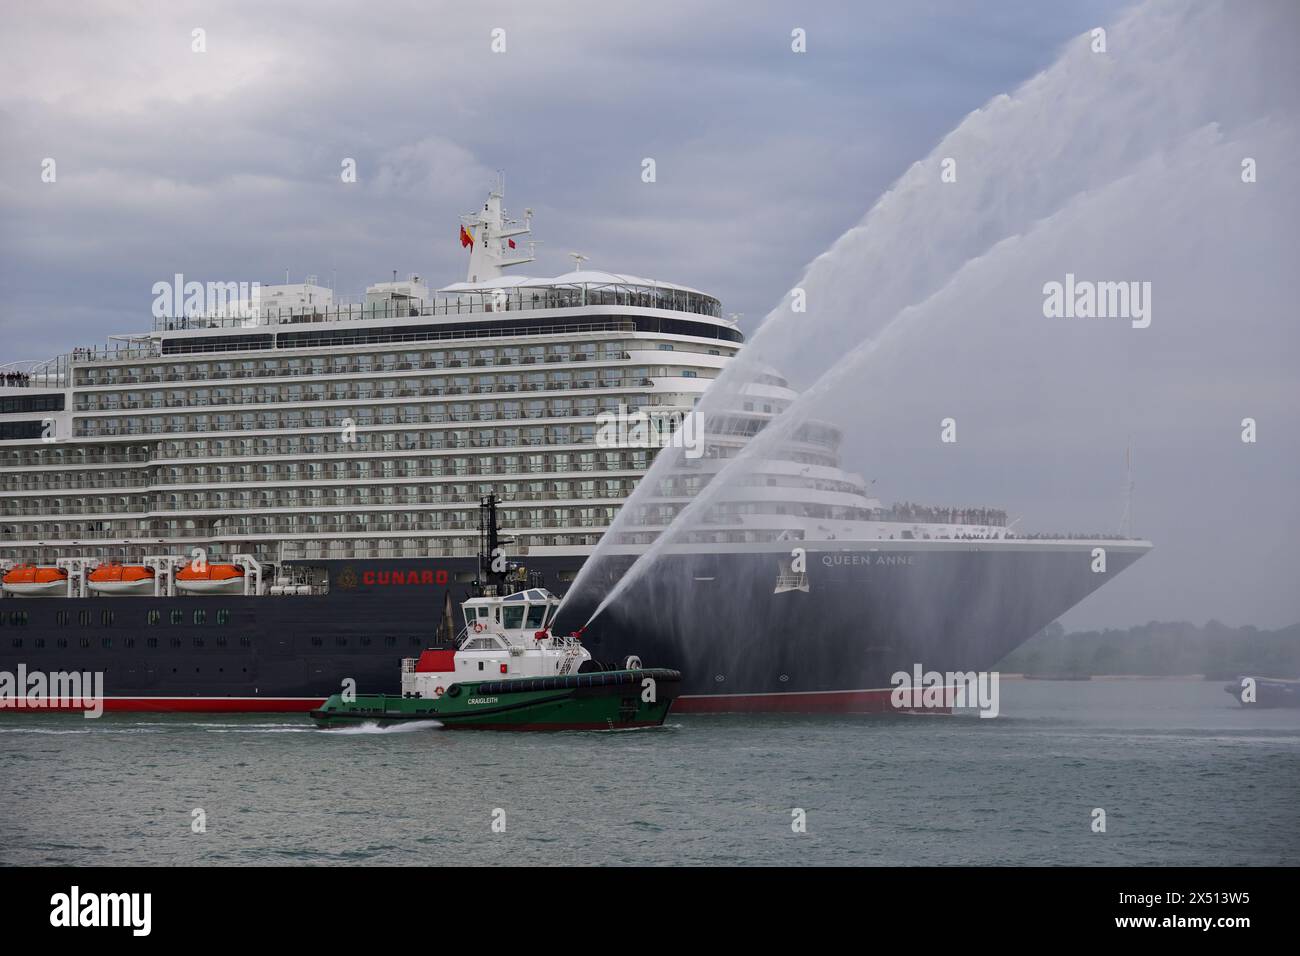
(347, 579)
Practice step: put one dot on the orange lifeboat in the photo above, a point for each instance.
(121, 579)
(32, 580)
(212, 579)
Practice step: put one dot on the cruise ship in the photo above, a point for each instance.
(266, 494)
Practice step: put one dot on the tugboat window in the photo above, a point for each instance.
(513, 617)
(536, 614)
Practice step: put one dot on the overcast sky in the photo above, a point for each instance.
(224, 165)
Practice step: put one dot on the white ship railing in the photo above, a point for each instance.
(470, 303)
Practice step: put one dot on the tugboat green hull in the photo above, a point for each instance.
(605, 700)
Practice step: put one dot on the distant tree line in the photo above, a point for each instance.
(1159, 649)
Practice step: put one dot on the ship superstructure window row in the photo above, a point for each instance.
(362, 363)
(297, 397)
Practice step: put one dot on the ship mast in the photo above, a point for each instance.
(491, 234)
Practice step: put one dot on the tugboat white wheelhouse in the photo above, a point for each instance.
(234, 512)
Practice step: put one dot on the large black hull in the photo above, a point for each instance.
(740, 642)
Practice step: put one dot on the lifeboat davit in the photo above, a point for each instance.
(32, 580)
(212, 579)
(121, 579)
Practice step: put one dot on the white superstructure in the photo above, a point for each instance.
(337, 429)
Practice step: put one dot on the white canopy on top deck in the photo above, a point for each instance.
(570, 280)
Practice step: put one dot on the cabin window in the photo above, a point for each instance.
(536, 615)
(513, 617)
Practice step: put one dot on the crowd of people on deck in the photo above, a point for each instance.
(17, 379)
(909, 511)
(1074, 536)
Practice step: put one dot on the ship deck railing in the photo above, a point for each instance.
(473, 303)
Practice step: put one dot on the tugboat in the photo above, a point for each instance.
(511, 673)
(505, 669)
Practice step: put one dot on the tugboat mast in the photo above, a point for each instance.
(493, 568)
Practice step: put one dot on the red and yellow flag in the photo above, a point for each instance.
(466, 237)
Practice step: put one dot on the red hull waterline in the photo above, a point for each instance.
(876, 701)
(174, 705)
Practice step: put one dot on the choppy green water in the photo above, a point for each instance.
(1185, 777)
